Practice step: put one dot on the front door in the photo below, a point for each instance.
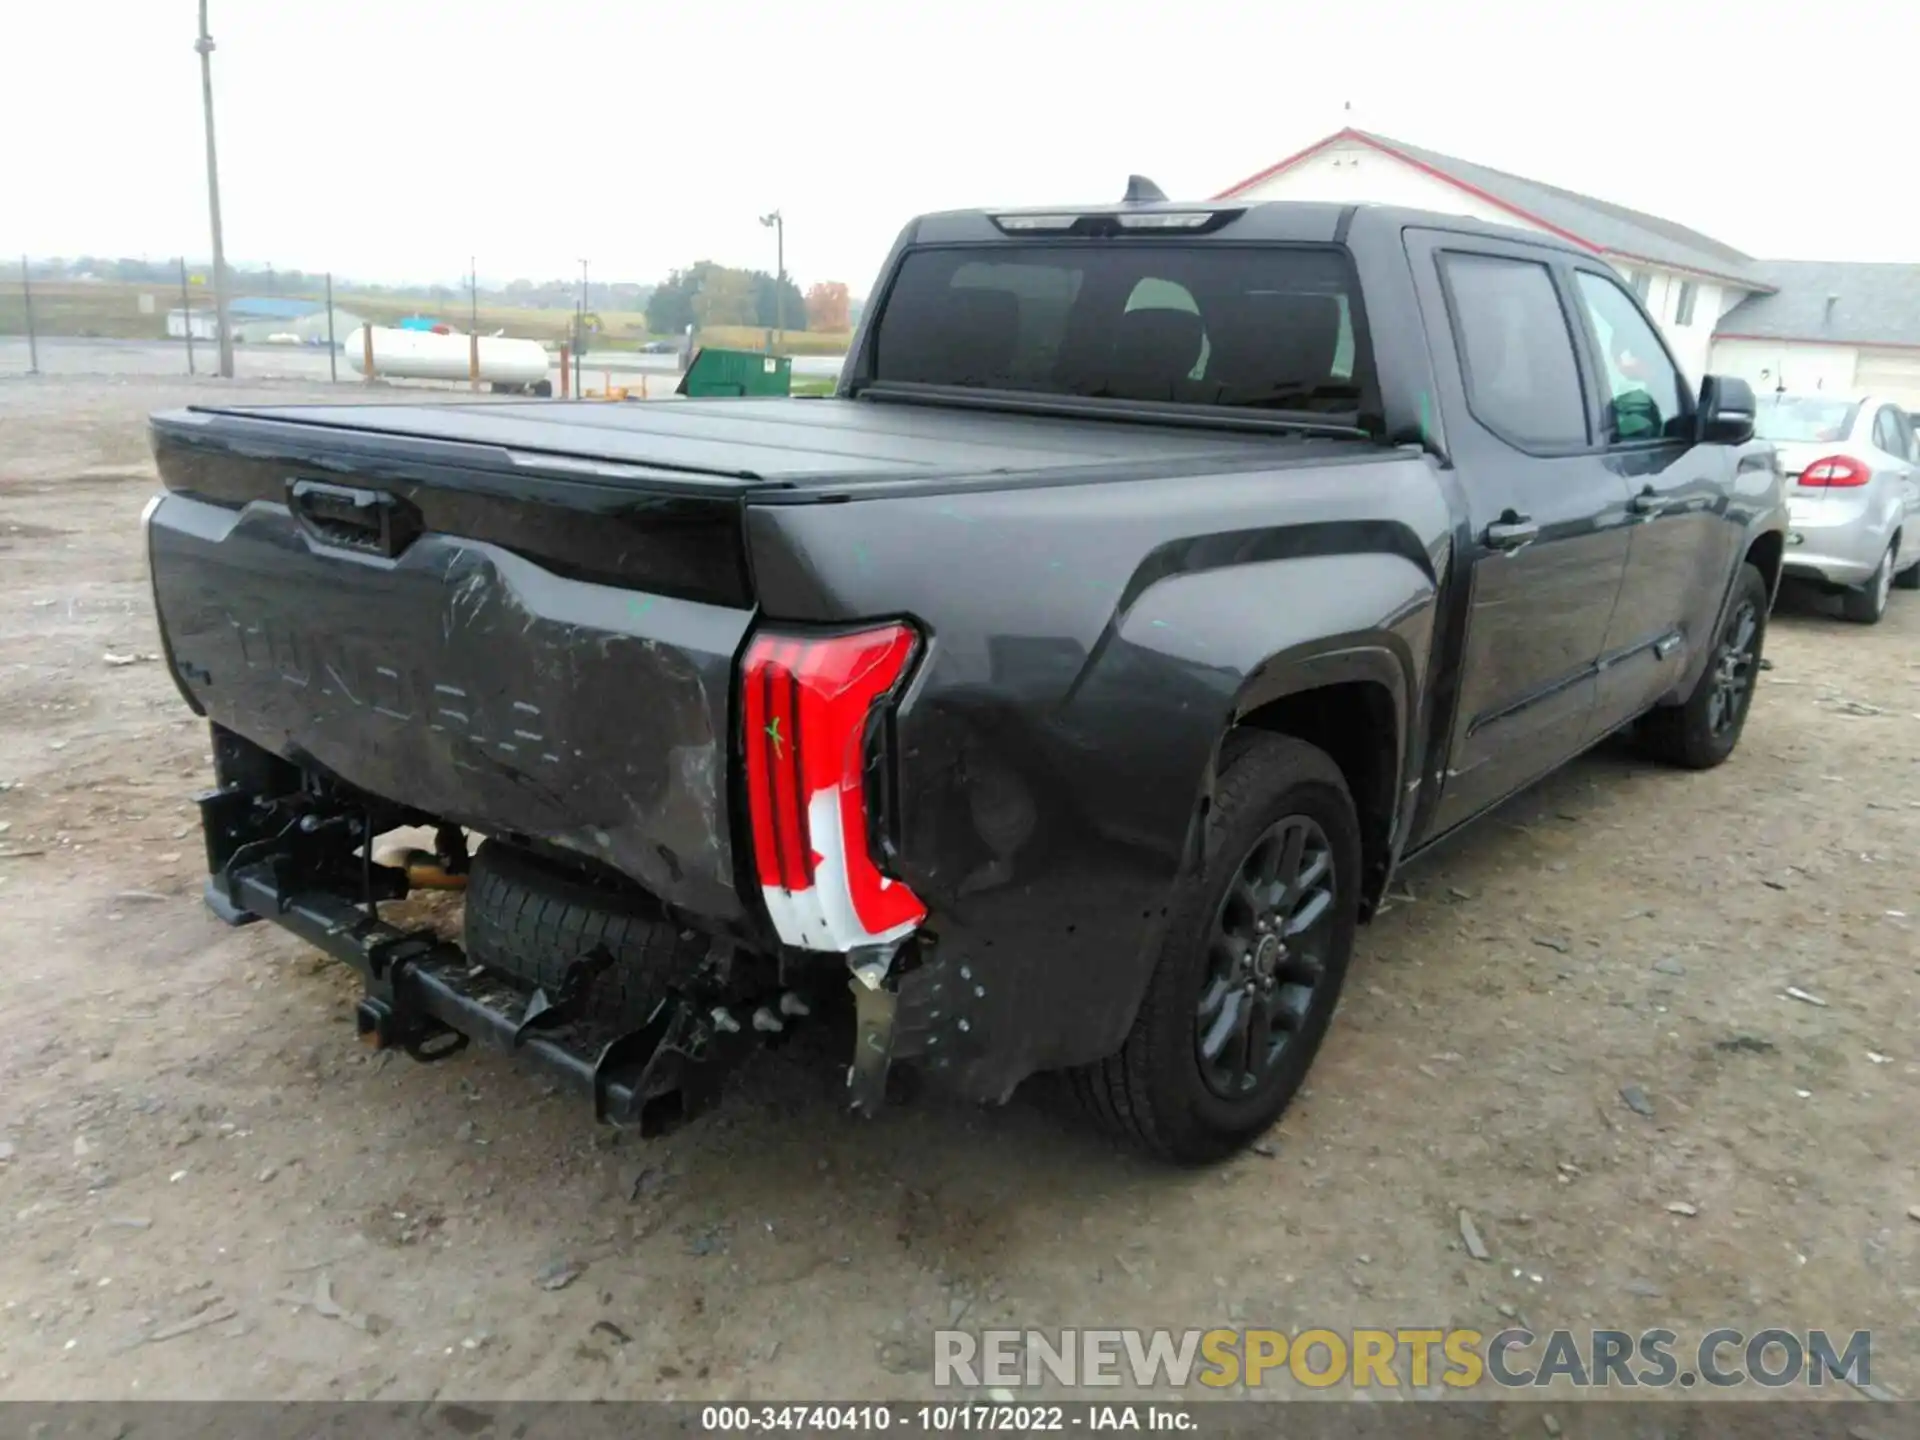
(1681, 551)
(1547, 520)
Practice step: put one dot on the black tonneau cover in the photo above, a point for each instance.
(788, 442)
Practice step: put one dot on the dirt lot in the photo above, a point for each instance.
(208, 1189)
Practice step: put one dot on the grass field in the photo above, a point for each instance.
(112, 311)
(524, 323)
(797, 342)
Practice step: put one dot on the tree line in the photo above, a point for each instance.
(708, 293)
(702, 294)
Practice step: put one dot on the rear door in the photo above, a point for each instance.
(1893, 438)
(1682, 539)
(1547, 526)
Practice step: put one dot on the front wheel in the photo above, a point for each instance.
(1256, 951)
(1866, 605)
(1703, 731)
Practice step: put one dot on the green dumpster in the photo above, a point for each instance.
(736, 372)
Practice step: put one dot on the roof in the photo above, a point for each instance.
(273, 307)
(1599, 225)
(1312, 222)
(1876, 304)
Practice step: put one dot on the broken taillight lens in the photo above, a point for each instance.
(805, 709)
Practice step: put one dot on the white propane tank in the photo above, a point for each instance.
(423, 355)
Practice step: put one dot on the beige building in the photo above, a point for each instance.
(1778, 324)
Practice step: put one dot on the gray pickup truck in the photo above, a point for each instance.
(1066, 688)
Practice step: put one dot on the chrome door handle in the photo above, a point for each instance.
(1511, 532)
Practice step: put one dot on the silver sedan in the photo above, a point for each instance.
(1853, 489)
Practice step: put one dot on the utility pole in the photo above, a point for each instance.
(473, 322)
(779, 275)
(205, 46)
(186, 314)
(580, 331)
(333, 348)
(33, 341)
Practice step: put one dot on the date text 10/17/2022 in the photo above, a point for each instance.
(945, 1418)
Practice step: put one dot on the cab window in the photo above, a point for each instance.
(1645, 395)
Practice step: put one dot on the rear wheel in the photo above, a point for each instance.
(1256, 951)
(1909, 578)
(1704, 730)
(1867, 604)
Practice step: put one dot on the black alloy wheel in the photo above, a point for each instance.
(1258, 937)
(1266, 956)
(1734, 664)
(1704, 729)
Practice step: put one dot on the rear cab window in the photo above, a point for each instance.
(1803, 419)
(1269, 327)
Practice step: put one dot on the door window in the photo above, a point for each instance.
(1887, 432)
(1645, 397)
(1523, 381)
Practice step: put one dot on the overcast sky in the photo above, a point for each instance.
(388, 140)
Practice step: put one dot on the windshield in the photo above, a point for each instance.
(1270, 328)
(1815, 419)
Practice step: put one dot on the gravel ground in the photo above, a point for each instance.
(208, 1189)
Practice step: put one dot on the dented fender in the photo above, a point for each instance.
(1079, 673)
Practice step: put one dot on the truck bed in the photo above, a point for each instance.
(526, 618)
(795, 444)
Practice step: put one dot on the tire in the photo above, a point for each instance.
(1909, 578)
(531, 918)
(1157, 1091)
(1865, 605)
(1701, 732)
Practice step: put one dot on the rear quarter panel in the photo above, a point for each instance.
(1089, 645)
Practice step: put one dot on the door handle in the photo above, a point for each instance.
(1512, 531)
(1647, 503)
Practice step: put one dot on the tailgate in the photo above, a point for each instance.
(518, 664)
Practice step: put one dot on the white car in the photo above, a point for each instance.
(1853, 491)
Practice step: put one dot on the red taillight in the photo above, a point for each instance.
(805, 708)
(1835, 472)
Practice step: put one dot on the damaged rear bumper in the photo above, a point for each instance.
(289, 847)
(282, 850)
(424, 996)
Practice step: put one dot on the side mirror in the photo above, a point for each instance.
(1727, 411)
